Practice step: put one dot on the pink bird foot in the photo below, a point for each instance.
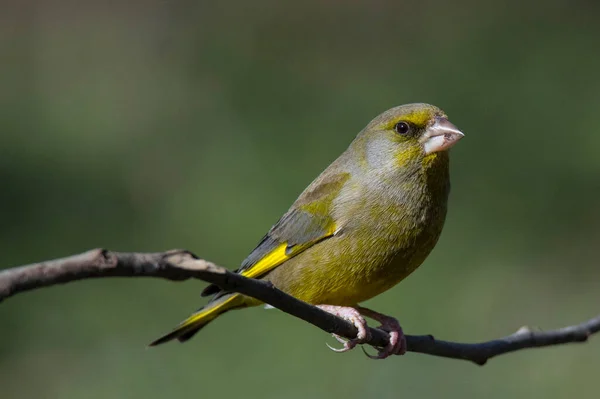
(397, 344)
(354, 317)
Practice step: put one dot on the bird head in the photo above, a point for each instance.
(409, 134)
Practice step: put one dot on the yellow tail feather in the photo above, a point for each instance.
(196, 321)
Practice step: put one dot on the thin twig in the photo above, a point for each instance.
(178, 265)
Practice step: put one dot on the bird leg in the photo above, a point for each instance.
(353, 316)
(397, 344)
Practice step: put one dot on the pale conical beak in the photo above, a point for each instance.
(440, 136)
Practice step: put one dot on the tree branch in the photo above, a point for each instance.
(178, 265)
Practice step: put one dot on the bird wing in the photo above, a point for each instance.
(308, 222)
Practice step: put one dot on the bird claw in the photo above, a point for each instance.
(354, 317)
(396, 345)
(348, 345)
(374, 357)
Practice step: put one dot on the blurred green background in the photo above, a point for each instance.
(145, 126)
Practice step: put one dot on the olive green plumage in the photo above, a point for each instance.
(368, 221)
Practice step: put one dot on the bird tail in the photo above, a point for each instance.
(190, 326)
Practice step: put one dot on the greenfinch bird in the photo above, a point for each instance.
(362, 226)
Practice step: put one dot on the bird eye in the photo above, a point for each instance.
(402, 127)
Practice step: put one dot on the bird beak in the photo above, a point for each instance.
(440, 136)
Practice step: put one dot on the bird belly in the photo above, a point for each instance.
(345, 271)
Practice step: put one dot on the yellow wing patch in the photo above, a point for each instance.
(280, 254)
(208, 313)
(268, 262)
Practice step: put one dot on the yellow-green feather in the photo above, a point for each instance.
(368, 221)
